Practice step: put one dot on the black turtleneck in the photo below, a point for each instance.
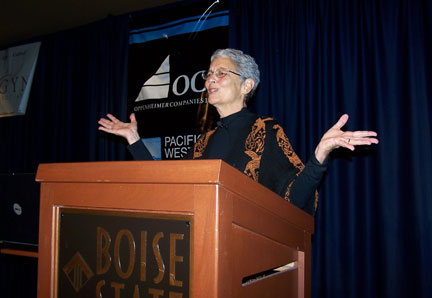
(230, 136)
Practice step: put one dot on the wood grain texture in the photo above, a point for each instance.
(239, 227)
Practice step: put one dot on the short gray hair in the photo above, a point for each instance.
(245, 66)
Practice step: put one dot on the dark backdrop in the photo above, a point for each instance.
(372, 60)
(318, 59)
(81, 75)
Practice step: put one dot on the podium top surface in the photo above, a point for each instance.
(196, 172)
(168, 171)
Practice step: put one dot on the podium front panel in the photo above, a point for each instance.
(167, 229)
(132, 253)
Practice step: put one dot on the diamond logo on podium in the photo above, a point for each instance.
(78, 272)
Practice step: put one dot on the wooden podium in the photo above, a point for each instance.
(168, 229)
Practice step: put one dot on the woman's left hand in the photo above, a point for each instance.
(336, 138)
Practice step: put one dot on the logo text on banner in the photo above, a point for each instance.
(17, 66)
(168, 52)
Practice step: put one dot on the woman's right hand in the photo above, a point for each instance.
(112, 125)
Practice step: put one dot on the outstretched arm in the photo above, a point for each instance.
(112, 125)
(335, 138)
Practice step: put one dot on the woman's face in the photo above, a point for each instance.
(225, 93)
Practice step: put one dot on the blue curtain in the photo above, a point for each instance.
(372, 60)
(81, 74)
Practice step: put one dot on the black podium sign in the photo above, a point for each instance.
(123, 254)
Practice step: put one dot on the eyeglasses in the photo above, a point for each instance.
(219, 73)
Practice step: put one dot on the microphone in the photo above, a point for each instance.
(221, 124)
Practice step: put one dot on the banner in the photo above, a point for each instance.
(168, 53)
(17, 66)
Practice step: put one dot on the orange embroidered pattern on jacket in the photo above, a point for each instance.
(201, 144)
(254, 148)
(287, 149)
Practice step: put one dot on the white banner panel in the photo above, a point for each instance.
(17, 66)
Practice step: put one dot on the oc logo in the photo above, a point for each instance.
(187, 84)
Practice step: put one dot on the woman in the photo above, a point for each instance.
(255, 145)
